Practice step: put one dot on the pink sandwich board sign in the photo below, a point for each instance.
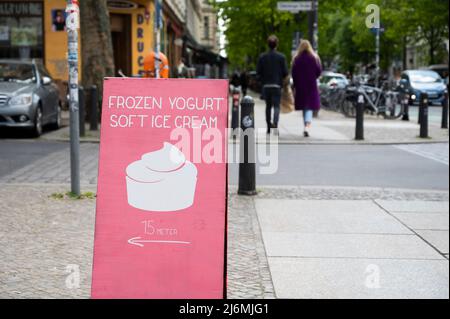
(162, 190)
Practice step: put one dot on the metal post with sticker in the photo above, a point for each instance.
(73, 24)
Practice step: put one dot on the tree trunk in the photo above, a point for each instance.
(405, 53)
(96, 45)
(432, 45)
(432, 55)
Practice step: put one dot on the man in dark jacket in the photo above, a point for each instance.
(272, 70)
(244, 82)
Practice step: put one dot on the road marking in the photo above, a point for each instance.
(435, 152)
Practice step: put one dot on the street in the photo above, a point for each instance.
(435, 114)
(356, 166)
(17, 154)
(401, 166)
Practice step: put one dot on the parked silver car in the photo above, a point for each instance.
(29, 98)
(331, 80)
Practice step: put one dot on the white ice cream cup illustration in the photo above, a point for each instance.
(162, 181)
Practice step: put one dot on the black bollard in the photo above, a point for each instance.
(82, 111)
(360, 108)
(419, 119)
(235, 111)
(405, 103)
(405, 96)
(423, 110)
(444, 123)
(247, 166)
(93, 111)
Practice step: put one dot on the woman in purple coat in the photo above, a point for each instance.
(306, 70)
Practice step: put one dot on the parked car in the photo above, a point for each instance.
(332, 86)
(330, 80)
(418, 82)
(29, 98)
(441, 69)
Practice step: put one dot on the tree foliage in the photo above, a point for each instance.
(248, 25)
(344, 39)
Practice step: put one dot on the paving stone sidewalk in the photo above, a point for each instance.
(43, 240)
(329, 128)
(334, 128)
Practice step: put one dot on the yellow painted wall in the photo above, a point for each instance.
(141, 33)
(56, 43)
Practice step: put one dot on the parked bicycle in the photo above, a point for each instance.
(377, 101)
(333, 99)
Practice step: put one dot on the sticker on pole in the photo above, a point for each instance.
(73, 15)
(162, 188)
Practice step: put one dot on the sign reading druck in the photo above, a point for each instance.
(295, 6)
(162, 187)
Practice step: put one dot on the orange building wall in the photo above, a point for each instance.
(142, 35)
(56, 43)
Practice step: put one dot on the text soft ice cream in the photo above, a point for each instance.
(162, 181)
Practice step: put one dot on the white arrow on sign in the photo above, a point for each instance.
(138, 241)
(295, 6)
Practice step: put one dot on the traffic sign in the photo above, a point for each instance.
(375, 30)
(295, 6)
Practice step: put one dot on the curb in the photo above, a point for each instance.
(312, 143)
(67, 140)
(233, 188)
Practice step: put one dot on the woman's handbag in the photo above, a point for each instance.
(287, 99)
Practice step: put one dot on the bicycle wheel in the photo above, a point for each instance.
(341, 100)
(336, 100)
(349, 108)
(394, 108)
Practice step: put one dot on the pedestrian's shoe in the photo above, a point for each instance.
(306, 134)
(270, 126)
(275, 127)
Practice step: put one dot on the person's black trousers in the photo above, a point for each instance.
(272, 96)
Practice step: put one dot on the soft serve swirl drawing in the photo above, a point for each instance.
(162, 181)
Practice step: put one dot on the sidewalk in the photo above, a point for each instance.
(329, 128)
(335, 128)
(288, 242)
(63, 134)
(348, 248)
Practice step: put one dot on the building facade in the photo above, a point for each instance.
(36, 29)
(210, 36)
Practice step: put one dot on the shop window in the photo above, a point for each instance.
(21, 30)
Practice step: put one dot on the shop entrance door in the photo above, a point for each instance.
(121, 39)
